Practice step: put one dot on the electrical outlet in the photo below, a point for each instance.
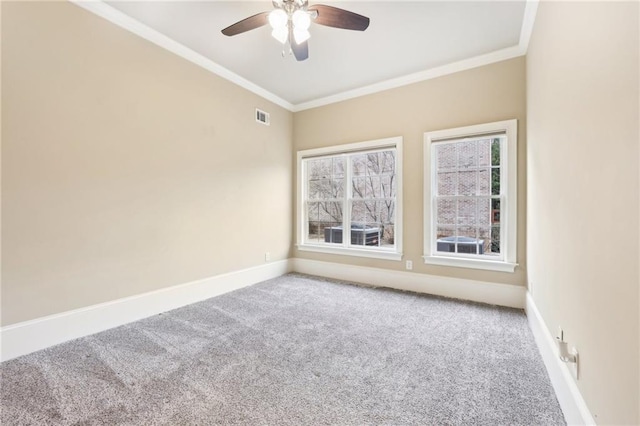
(267, 257)
(568, 356)
(409, 265)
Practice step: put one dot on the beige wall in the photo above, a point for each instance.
(486, 94)
(125, 168)
(582, 111)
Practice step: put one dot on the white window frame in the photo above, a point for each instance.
(345, 248)
(508, 208)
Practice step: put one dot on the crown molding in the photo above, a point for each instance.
(122, 20)
(119, 18)
(466, 64)
(531, 7)
(529, 18)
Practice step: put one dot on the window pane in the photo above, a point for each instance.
(467, 156)
(445, 156)
(374, 163)
(388, 211)
(314, 189)
(325, 222)
(359, 164)
(484, 211)
(445, 239)
(467, 242)
(329, 211)
(388, 235)
(388, 186)
(446, 212)
(312, 211)
(446, 183)
(467, 183)
(314, 225)
(495, 239)
(495, 181)
(319, 168)
(484, 234)
(372, 223)
(484, 152)
(325, 178)
(388, 162)
(386, 222)
(373, 175)
(495, 151)
(495, 211)
(373, 187)
(323, 189)
(467, 213)
(337, 188)
(358, 212)
(358, 187)
(338, 167)
(484, 181)
(372, 212)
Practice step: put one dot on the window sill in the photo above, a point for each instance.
(488, 265)
(374, 254)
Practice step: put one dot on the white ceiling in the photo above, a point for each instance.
(405, 42)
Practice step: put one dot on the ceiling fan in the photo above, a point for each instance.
(290, 21)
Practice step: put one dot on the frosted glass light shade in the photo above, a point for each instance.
(301, 20)
(278, 19)
(301, 36)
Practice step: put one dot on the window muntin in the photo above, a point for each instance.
(349, 199)
(470, 181)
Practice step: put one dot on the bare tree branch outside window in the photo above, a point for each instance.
(372, 195)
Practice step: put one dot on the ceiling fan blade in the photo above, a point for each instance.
(247, 24)
(339, 18)
(300, 51)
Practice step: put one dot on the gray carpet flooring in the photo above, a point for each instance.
(295, 350)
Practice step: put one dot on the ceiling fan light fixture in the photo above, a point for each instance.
(290, 21)
(301, 20)
(300, 36)
(280, 34)
(278, 19)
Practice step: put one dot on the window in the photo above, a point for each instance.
(349, 199)
(470, 183)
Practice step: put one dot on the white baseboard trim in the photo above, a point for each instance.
(573, 405)
(477, 291)
(30, 336)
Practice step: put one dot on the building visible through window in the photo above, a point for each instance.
(467, 186)
(471, 196)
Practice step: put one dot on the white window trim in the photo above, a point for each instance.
(508, 214)
(389, 254)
